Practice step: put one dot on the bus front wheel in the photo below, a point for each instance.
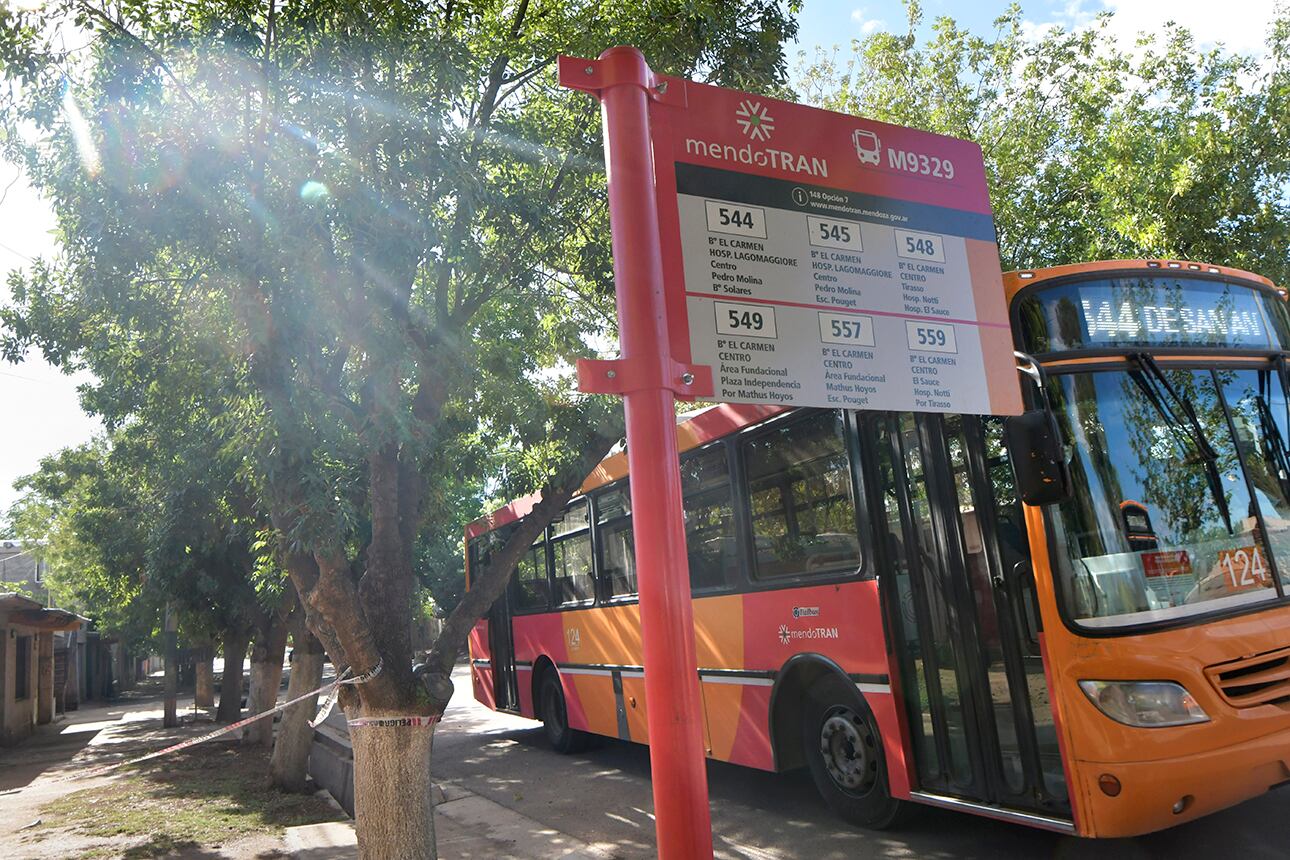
(844, 753)
(555, 717)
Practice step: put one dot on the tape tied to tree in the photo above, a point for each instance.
(418, 722)
(334, 693)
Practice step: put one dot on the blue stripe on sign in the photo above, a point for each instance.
(736, 187)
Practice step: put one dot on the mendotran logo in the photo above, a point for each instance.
(755, 120)
(779, 159)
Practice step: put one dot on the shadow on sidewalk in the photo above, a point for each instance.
(50, 747)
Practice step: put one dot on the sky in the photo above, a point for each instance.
(39, 406)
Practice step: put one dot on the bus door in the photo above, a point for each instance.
(501, 649)
(964, 622)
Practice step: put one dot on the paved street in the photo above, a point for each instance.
(602, 797)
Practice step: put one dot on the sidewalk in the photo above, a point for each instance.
(467, 827)
(36, 821)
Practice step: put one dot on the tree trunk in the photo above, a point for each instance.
(288, 766)
(266, 678)
(393, 809)
(230, 685)
(170, 716)
(204, 672)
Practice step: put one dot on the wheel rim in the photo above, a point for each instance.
(553, 711)
(848, 749)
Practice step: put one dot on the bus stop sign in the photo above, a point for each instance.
(813, 258)
(766, 252)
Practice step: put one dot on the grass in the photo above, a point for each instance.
(203, 797)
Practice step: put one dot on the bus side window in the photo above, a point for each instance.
(617, 562)
(799, 488)
(710, 540)
(571, 555)
(532, 586)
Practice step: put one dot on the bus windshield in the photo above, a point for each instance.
(1152, 311)
(1171, 518)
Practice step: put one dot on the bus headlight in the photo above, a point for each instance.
(1146, 704)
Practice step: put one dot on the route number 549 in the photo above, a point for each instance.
(745, 320)
(751, 321)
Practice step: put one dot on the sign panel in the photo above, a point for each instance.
(818, 259)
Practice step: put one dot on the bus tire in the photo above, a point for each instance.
(555, 717)
(843, 751)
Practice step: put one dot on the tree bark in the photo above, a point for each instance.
(289, 763)
(170, 716)
(204, 670)
(266, 677)
(393, 804)
(230, 687)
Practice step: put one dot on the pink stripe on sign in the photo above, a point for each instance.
(832, 309)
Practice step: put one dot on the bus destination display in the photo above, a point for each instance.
(822, 260)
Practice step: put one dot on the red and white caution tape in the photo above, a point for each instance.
(399, 722)
(332, 690)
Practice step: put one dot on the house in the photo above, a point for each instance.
(27, 677)
(20, 570)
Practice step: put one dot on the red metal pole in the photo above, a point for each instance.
(682, 820)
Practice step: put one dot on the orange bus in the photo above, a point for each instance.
(1090, 636)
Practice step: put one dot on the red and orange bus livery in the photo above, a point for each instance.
(874, 601)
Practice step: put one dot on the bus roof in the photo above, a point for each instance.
(1014, 281)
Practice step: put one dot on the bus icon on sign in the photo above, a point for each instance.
(867, 144)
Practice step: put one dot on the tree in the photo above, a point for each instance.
(1095, 150)
(388, 224)
(89, 520)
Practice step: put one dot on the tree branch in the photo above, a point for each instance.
(120, 29)
(489, 584)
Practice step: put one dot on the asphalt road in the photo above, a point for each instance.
(603, 797)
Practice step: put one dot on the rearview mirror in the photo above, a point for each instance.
(1038, 462)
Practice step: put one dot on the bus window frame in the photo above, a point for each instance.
(603, 595)
(514, 585)
(851, 449)
(743, 570)
(1119, 361)
(552, 539)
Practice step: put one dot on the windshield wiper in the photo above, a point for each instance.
(1186, 429)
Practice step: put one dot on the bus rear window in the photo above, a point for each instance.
(799, 487)
(1151, 311)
